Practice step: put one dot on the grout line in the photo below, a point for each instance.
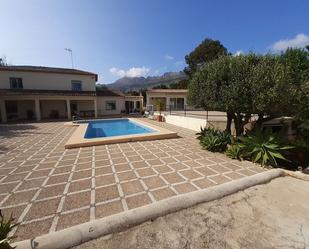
(92, 198)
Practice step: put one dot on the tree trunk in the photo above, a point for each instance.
(238, 127)
(239, 124)
(240, 120)
(230, 117)
(246, 121)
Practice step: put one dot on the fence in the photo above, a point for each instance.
(188, 111)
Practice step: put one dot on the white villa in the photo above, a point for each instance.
(176, 99)
(36, 93)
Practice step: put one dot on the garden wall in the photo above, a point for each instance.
(195, 123)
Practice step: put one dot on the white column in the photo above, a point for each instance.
(140, 105)
(185, 100)
(69, 109)
(168, 102)
(134, 104)
(37, 109)
(95, 108)
(3, 111)
(147, 99)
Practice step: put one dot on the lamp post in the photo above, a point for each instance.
(71, 52)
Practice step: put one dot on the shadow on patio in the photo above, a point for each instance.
(13, 130)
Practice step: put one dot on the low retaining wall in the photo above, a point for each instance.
(186, 122)
(196, 123)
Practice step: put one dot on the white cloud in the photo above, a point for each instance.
(132, 72)
(238, 52)
(117, 72)
(168, 57)
(299, 40)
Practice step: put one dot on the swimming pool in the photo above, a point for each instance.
(115, 127)
(112, 131)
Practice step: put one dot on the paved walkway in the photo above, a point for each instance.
(49, 188)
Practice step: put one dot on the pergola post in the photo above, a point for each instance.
(69, 109)
(147, 99)
(3, 111)
(168, 103)
(142, 104)
(95, 108)
(134, 104)
(37, 109)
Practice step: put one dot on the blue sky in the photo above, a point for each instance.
(143, 37)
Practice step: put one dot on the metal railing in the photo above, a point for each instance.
(189, 111)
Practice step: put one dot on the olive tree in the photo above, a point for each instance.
(267, 85)
(224, 85)
(295, 83)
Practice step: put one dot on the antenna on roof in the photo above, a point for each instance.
(70, 51)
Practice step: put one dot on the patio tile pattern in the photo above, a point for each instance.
(48, 188)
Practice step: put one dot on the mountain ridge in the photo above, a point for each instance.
(136, 83)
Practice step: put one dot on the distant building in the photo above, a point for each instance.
(176, 99)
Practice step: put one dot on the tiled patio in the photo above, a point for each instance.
(49, 188)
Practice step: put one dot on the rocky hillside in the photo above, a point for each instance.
(135, 83)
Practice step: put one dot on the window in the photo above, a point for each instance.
(177, 103)
(110, 105)
(180, 103)
(16, 83)
(173, 103)
(76, 85)
(138, 105)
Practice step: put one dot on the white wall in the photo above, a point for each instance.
(85, 105)
(49, 105)
(168, 96)
(186, 122)
(47, 81)
(101, 104)
(196, 123)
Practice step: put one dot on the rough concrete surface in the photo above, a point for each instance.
(273, 215)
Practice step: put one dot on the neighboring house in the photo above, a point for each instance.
(115, 102)
(36, 93)
(174, 99)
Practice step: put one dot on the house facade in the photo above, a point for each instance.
(38, 93)
(174, 99)
(114, 103)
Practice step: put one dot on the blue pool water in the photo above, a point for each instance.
(116, 127)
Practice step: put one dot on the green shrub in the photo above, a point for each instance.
(214, 140)
(6, 226)
(260, 147)
(204, 131)
(298, 156)
(234, 151)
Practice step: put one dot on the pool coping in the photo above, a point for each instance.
(77, 139)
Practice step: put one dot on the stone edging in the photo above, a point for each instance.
(296, 174)
(78, 234)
